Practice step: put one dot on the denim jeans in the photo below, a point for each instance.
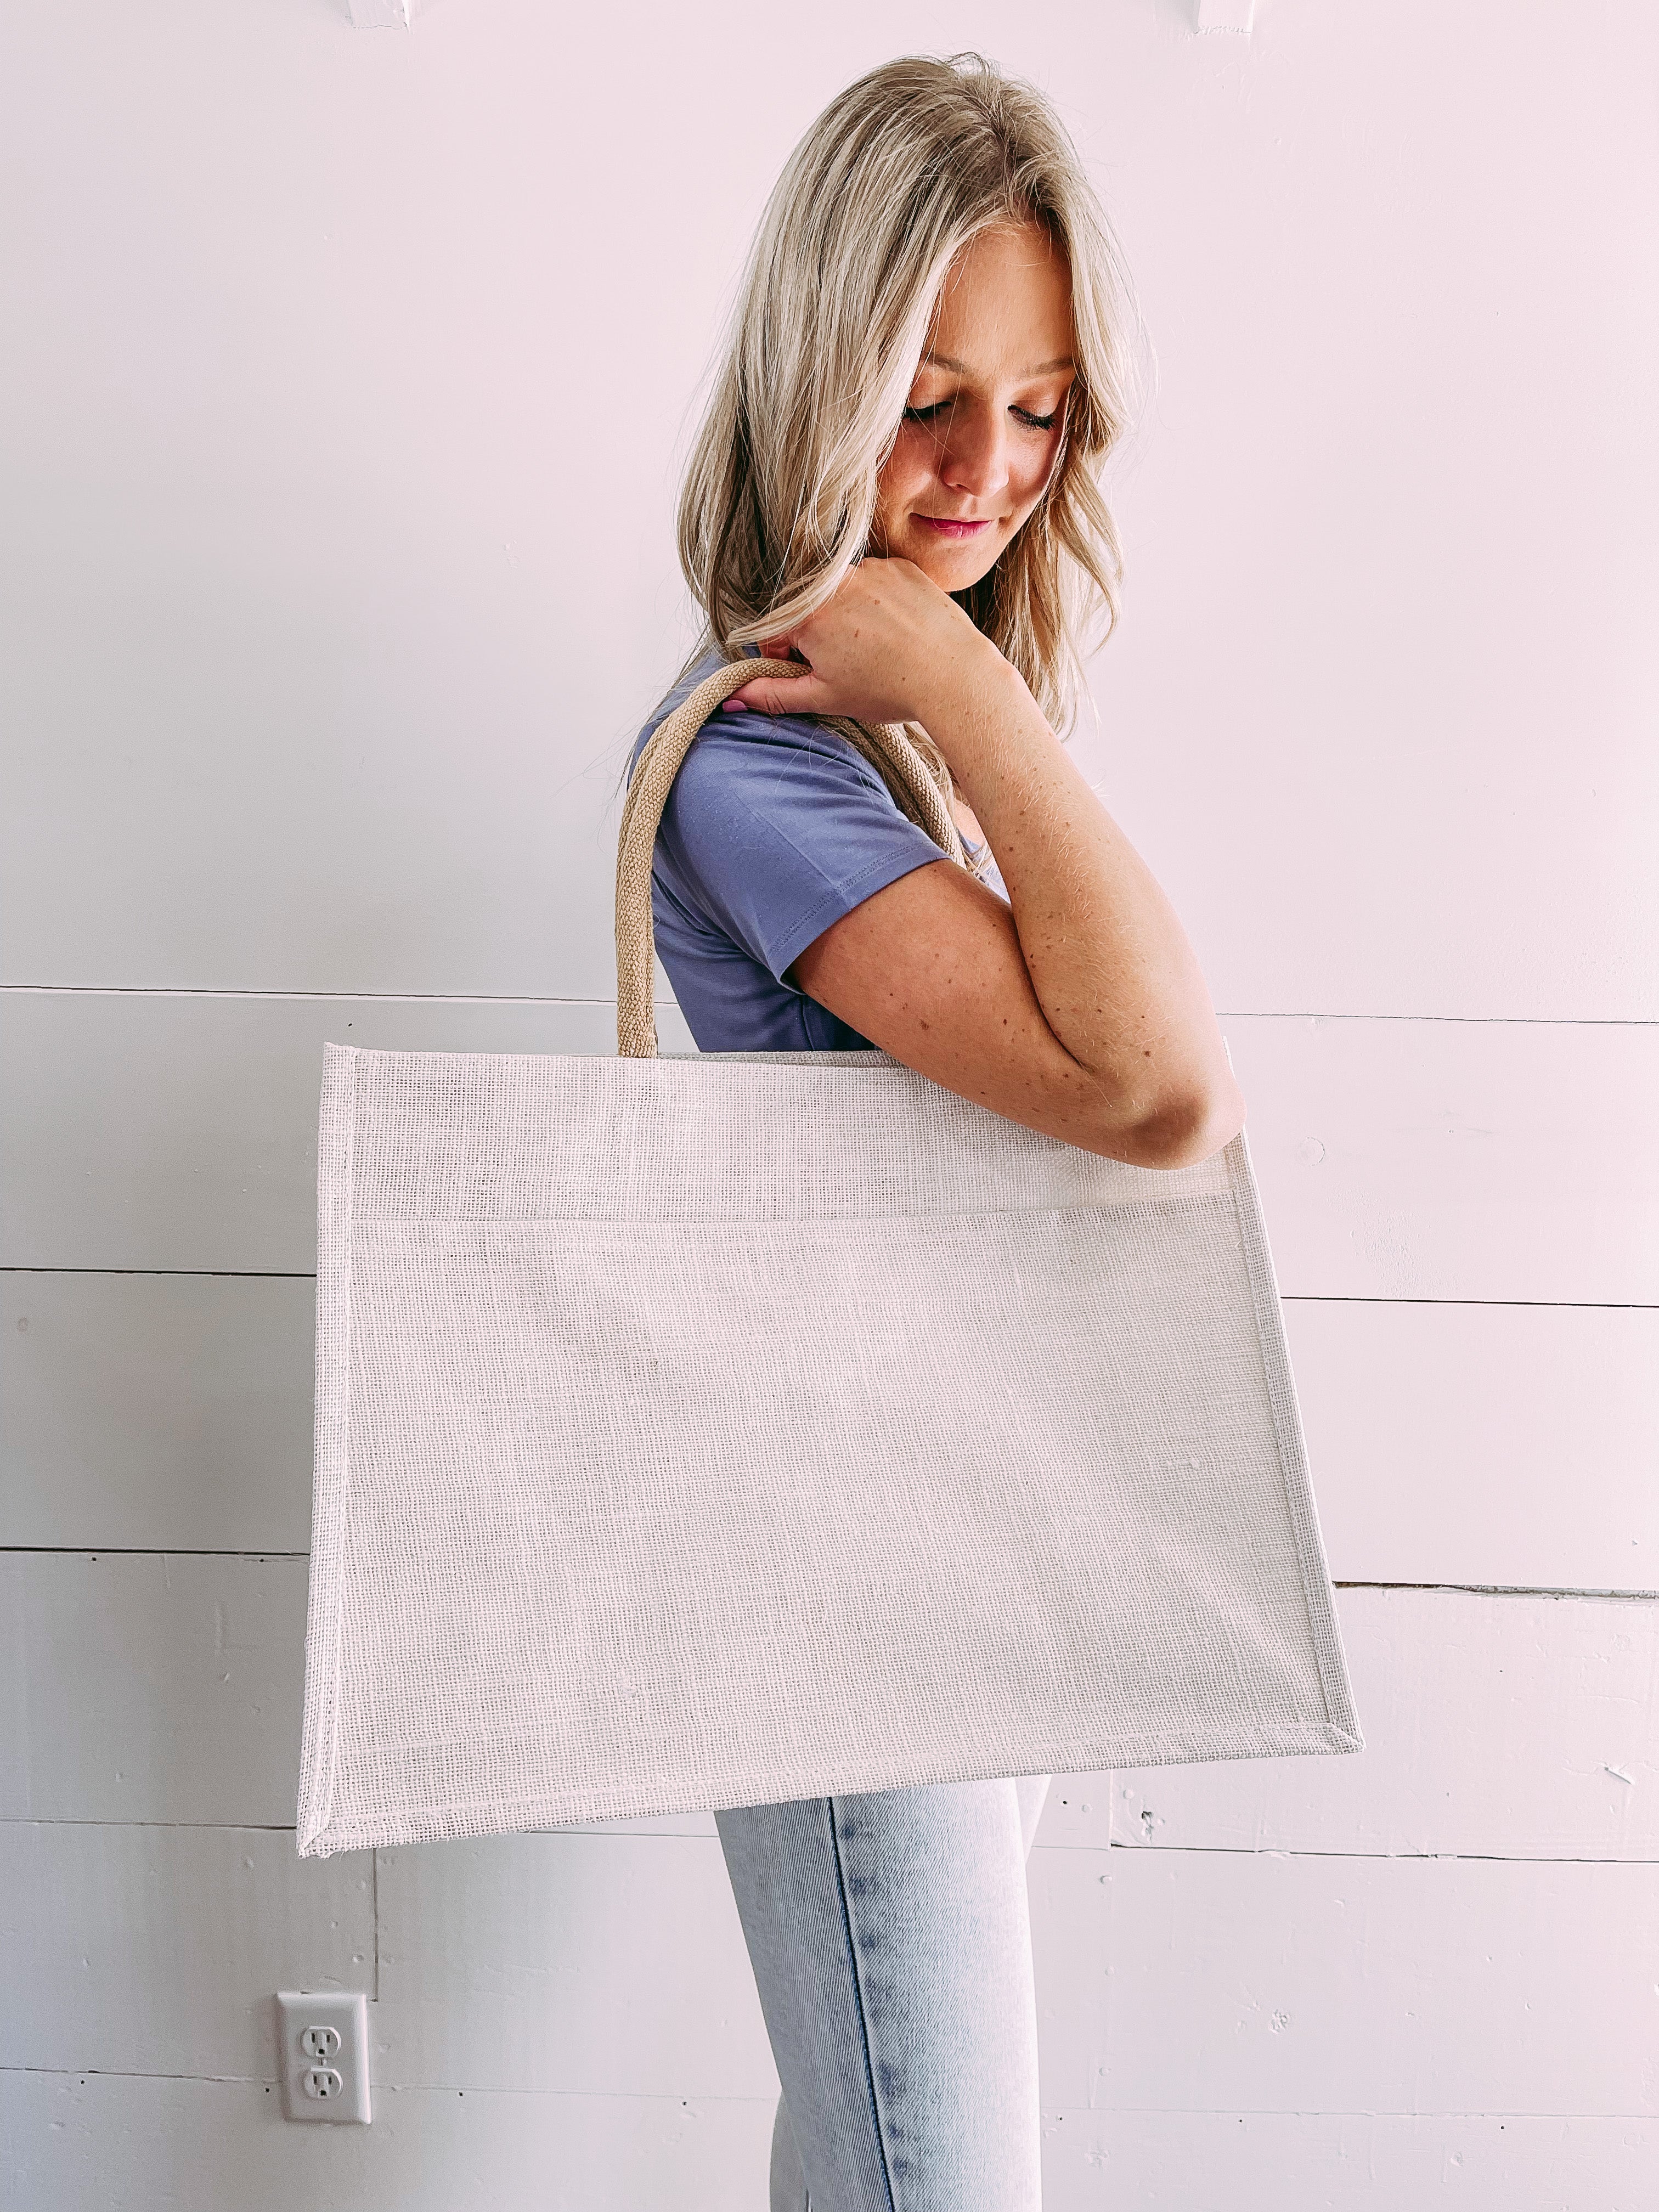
(891, 1946)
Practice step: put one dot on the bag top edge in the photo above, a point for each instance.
(871, 1059)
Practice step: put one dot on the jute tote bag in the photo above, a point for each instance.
(705, 1432)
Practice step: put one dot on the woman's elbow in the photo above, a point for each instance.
(1180, 1130)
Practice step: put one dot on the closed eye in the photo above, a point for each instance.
(1020, 415)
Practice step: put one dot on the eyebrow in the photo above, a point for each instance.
(960, 368)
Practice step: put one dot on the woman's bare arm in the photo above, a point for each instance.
(1078, 1009)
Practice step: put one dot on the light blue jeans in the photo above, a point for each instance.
(891, 1945)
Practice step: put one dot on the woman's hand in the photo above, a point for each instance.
(889, 647)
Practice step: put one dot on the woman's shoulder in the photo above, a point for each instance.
(781, 766)
(773, 827)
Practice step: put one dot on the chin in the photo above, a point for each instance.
(953, 571)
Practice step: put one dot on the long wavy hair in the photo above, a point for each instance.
(896, 177)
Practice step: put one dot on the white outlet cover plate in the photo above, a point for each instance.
(331, 2012)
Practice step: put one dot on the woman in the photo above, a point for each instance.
(894, 487)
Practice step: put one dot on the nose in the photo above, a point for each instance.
(975, 457)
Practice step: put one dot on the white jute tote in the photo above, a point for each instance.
(709, 1431)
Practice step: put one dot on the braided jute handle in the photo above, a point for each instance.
(886, 745)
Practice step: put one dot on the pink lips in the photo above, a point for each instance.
(947, 527)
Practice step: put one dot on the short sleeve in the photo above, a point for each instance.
(774, 829)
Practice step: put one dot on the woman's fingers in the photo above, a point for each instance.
(799, 695)
(805, 693)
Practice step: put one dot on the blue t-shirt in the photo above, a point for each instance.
(774, 828)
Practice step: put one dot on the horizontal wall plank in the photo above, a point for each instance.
(86, 2143)
(1456, 1159)
(90, 2143)
(1249, 1981)
(1497, 1444)
(1345, 2162)
(169, 1690)
(152, 1689)
(611, 1964)
(157, 1950)
(1511, 1727)
(1397, 1159)
(157, 1411)
(1508, 1445)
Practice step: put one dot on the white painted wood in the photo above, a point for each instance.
(157, 1411)
(1397, 1159)
(84, 2143)
(1077, 1813)
(154, 1950)
(91, 2143)
(1072, 1960)
(1456, 1159)
(1514, 1445)
(1250, 1982)
(1496, 1444)
(1379, 713)
(151, 1688)
(1348, 2162)
(1343, 780)
(1495, 1727)
(596, 1964)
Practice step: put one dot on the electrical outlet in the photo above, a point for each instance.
(324, 2036)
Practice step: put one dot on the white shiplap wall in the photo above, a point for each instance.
(346, 375)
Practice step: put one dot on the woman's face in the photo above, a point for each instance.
(983, 426)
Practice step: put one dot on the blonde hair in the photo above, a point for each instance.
(899, 173)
